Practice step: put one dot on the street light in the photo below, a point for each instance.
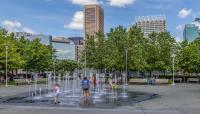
(173, 57)
(85, 63)
(6, 65)
(54, 69)
(126, 50)
(78, 66)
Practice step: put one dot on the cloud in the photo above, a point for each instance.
(15, 26)
(117, 3)
(84, 2)
(11, 26)
(77, 21)
(120, 3)
(184, 13)
(180, 27)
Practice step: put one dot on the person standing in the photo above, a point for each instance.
(110, 81)
(94, 81)
(85, 86)
(56, 93)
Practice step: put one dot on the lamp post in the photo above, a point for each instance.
(126, 50)
(85, 63)
(173, 58)
(78, 67)
(6, 65)
(54, 69)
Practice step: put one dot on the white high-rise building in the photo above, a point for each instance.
(149, 24)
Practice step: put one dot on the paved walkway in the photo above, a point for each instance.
(179, 99)
(13, 90)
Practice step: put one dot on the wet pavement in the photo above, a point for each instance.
(178, 99)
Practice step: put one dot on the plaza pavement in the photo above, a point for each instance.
(178, 99)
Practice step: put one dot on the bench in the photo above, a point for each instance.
(41, 80)
(138, 81)
(145, 81)
(21, 81)
(196, 80)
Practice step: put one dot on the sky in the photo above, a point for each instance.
(65, 17)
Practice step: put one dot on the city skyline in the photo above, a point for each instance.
(65, 17)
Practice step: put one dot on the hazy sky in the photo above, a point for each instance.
(65, 17)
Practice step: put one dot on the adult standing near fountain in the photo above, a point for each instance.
(94, 81)
(57, 92)
(110, 82)
(85, 86)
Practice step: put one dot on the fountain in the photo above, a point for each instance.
(71, 94)
(124, 93)
(35, 82)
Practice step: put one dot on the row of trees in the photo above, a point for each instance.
(144, 54)
(105, 52)
(189, 56)
(29, 56)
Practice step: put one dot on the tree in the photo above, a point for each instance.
(136, 44)
(89, 52)
(189, 56)
(115, 48)
(15, 60)
(65, 65)
(160, 50)
(99, 59)
(39, 56)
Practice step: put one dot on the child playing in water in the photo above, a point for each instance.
(85, 86)
(56, 94)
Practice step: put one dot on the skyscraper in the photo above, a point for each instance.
(149, 24)
(192, 31)
(93, 20)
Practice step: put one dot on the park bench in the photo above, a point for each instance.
(41, 80)
(178, 80)
(138, 81)
(196, 80)
(145, 81)
(162, 81)
(21, 81)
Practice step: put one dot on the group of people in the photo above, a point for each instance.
(85, 83)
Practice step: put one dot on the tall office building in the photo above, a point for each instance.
(93, 20)
(149, 24)
(192, 31)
